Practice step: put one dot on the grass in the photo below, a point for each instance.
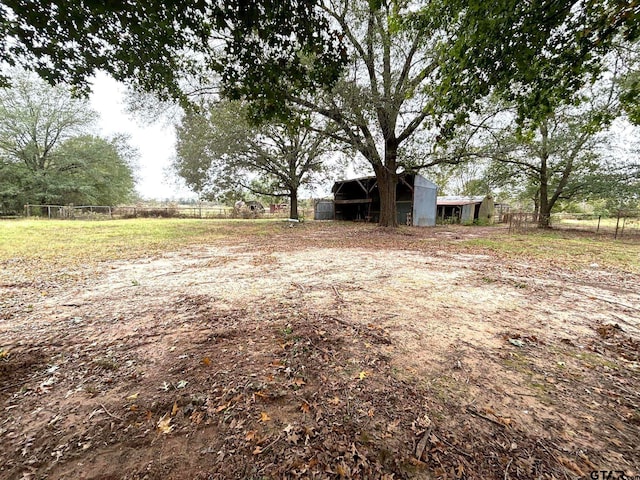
(114, 239)
(43, 246)
(572, 251)
(38, 247)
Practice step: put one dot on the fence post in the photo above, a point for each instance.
(49, 211)
(598, 229)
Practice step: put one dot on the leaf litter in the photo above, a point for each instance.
(358, 353)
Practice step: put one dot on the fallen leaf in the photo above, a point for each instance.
(505, 421)
(206, 361)
(362, 375)
(222, 407)
(133, 408)
(422, 444)
(257, 450)
(305, 407)
(335, 401)
(174, 410)
(163, 424)
(299, 382)
(133, 397)
(197, 417)
(264, 417)
(251, 434)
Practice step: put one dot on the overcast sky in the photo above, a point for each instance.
(155, 143)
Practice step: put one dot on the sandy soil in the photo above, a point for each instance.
(366, 354)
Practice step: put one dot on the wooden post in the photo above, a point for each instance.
(49, 211)
(598, 229)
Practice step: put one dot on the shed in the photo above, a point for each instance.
(323, 210)
(466, 209)
(359, 200)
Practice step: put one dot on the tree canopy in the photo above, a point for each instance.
(254, 47)
(219, 150)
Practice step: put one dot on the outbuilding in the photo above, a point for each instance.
(359, 200)
(466, 209)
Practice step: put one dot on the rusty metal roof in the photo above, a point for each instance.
(460, 200)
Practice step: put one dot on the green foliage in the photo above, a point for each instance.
(256, 48)
(47, 156)
(220, 154)
(630, 96)
(537, 55)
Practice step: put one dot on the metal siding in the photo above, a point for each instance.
(467, 213)
(425, 208)
(324, 210)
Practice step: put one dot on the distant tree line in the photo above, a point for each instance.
(49, 153)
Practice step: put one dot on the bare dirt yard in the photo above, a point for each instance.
(323, 351)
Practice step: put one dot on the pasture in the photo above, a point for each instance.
(175, 349)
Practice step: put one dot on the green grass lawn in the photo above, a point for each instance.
(46, 245)
(42, 246)
(565, 249)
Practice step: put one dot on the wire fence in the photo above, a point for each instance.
(624, 223)
(98, 212)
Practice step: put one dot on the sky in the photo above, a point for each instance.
(154, 142)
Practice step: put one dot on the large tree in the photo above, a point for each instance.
(382, 99)
(47, 153)
(218, 149)
(561, 156)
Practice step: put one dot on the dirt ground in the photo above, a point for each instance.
(322, 353)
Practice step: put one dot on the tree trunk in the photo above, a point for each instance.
(387, 183)
(293, 195)
(544, 216)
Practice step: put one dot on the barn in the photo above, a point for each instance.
(358, 200)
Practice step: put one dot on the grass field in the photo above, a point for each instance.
(62, 243)
(214, 349)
